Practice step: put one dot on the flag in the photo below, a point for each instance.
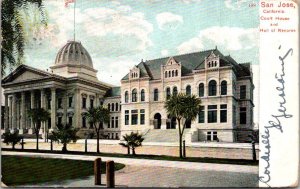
(67, 2)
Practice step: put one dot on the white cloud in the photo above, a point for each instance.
(229, 38)
(164, 52)
(168, 20)
(235, 4)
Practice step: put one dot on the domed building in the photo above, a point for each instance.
(68, 90)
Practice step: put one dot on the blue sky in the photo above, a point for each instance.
(118, 34)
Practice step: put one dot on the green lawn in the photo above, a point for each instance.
(17, 170)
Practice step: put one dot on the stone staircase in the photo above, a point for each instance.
(159, 135)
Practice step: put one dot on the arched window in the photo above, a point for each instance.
(112, 107)
(188, 90)
(166, 74)
(155, 97)
(108, 106)
(126, 97)
(168, 92)
(224, 88)
(117, 107)
(175, 92)
(209, 64)
(169, 73)
(176, 73)
(142, 95)
(132, 75)
(201, 89)
(173, 73)
(212, 88)
(134, 95)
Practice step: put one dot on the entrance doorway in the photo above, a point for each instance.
(157, 121)
(171, 122)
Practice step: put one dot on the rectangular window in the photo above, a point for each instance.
(215, 135)
(108, 124)
(117, 122)
(83, 122)
(83, 102)
(212, 136)
(243, 91)
(59, 103)
(91, 103)
(134, 117)
(234, 115)
(113, 122)
(70, 102)
(208, 136)
(243, 115)
(223, 113)
(70, 120)
(201, 114)
(212, 114)
(142, 118)
(126, 117)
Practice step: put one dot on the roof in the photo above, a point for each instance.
(189, 62)
(113, 92)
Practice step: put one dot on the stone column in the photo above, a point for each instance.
(23, 118)
(53, 108)
(77, 109)
(43, 105)
(10, 113)
(32, 106)
(14, 112)
(6, 123)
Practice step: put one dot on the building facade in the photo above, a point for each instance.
(71, 87)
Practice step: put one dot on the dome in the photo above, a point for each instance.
(73, 53)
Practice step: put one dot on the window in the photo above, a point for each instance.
(126, 97)
(166, 74)
(223, 113)
(126, 117)
(83, 102)
(112, 107)
(117, 107)
(173, 73)
(168, 92)
(49, 103)
(188, 90)
(59, 120)
(212, 136)
(243, 92)
(91, 103)
(176, 73)
(83, 122)
(117, 136)
(234, 115)
(212, 88)
(201, 89)
(212, 113)
(169, 73)
(224, 88)
(108, 124)
(155, 98)
(142, 95)
(134, 117)
(108, 106)
(59, 103)
(117, 122)
(112, 122)
(70, 120)
(175, 92)
(70, 101)
(142, 116)
(243, 115)
(201, 115)
(134, 95)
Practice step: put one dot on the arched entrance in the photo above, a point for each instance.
(157, 121)
(171, 122)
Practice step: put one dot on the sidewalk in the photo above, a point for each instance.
(151, 163)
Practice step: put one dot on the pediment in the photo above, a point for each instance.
(171, 61)
(25, 73)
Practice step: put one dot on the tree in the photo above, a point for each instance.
(184, 108)
(65, 134)
(97, 116)
(38, 115)
(12, 138)
(13, 31)
(132, 141)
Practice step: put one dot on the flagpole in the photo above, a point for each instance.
(74, 18)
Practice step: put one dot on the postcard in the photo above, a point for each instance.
(149, 93)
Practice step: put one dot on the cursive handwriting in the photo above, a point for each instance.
(276, 119)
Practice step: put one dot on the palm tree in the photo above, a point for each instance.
(38, 115)
(184, 108)
(13, 34)
(97, 116)
(132, 141)
(64, 134)
(13, 138)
